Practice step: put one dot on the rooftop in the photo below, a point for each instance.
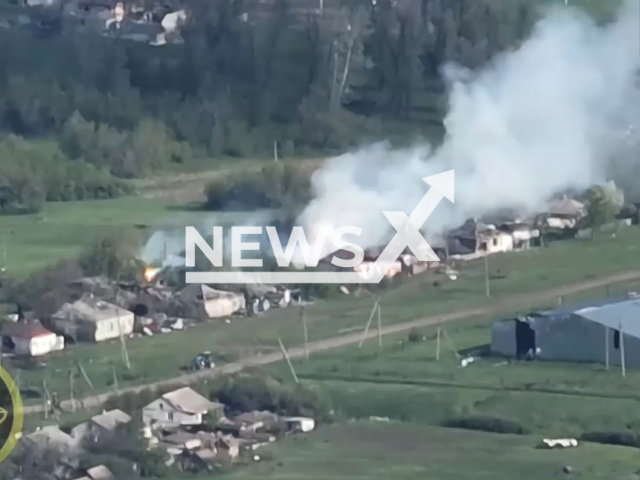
(25, 329)
(111, 419)
(90, 309)
(189, 401)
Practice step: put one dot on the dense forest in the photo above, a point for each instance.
(79, 113)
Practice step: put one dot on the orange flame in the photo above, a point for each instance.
(150, 273)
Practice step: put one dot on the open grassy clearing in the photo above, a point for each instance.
(39, 240)
(407, 451)
(414, 298)
(399, 381)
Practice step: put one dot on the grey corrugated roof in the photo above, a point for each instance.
(622, 315)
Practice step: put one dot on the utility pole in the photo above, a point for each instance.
(622, 356)
(275, 150)
(306, 333)
(366, 330)
(85, 376)
(123, 343)
(438, 345)
(486, 275)
(606, 347)
(286, 357)
(115, 378)
(379, 324)
(71, 395)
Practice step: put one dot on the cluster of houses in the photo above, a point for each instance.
(102, 310)
(192, 433)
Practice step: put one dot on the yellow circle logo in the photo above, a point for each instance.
(11, 414)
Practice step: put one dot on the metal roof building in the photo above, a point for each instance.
(595, 332)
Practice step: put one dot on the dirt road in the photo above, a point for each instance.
(522, 301)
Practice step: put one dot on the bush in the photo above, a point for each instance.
(281, 185)
(414, 335)
(487, 424)
(625, 439)
(249, 393)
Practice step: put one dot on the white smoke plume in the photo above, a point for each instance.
(535, 121)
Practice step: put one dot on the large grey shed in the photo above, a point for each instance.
(588, 332)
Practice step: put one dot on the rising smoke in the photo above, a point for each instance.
(535, 121)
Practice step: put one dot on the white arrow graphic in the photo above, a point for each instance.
(408, 228)
(407, 235)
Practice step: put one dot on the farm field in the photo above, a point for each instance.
(407, 382)
(562, 264)
(406, 451)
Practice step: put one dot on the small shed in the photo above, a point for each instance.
(31, 338)
(597, 332)
(213, 303)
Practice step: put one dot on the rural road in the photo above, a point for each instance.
(521, 301)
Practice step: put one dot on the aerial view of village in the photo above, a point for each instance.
(176, 303)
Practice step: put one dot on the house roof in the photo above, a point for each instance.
(189, 401)
(566, 206)
(608, 312)
(111, 419)
(50, 435)
(90, 309)
(100, 473)
(202, 292)
(25, 329)
(621, 315)
(254, 417)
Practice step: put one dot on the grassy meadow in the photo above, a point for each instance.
(407, 451)
(561, 264)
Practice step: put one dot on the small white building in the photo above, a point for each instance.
(180, 407)
(300, 424)
(31, 338)
(213, 303)
(95, 320)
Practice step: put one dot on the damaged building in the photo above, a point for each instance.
(477, 238)
(565, 213)
(211, 303)
(583, 333)
(92, 319)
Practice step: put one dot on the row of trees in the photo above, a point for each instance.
(247, 74)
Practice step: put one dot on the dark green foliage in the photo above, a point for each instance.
(625, 439)
(248, 393)
(280, 185)
(234, 87)
(414, 335)
(114, 254)
(487, 423)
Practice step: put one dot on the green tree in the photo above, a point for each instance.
(602, 205)
(115, 254)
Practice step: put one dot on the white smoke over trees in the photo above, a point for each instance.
(538, 120)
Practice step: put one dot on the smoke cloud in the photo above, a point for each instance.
(538, 120)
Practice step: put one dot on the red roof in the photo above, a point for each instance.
(24, 329)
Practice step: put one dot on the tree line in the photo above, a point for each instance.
(88, 111)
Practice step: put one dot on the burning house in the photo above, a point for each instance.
(564, 213)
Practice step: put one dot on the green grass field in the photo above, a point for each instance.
(563, 263)
(62, 229)
(404, 451)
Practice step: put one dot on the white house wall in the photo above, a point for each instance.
(37, 346)
(160, 412)
(107, 329)
(224, 307)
